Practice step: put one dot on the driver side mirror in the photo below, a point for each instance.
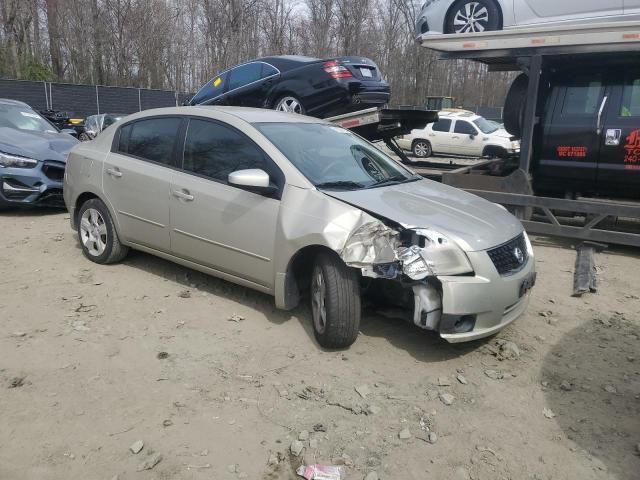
(472, 136)
(254, 180)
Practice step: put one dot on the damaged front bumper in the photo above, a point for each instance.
(459, 294)
(39, 186)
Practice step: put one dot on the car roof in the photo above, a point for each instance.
(467, 115)
(246, 114)
(17, 103)
(288, 62)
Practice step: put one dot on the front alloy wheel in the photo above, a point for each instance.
(473, 16)
(422, 149)
(97, 234)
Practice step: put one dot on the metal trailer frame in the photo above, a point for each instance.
(516, 190)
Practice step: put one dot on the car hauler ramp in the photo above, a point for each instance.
(386, 124)
(538, 52)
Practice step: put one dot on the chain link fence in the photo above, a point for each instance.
(84, 100)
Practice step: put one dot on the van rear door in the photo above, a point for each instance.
(619, 165)
(571, 145)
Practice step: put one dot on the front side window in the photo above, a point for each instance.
(465, 128)
(631, 98)
(214, 151)
(244, 75)
(442, 125)
(153, 139)
(332, 157)
(211, 90)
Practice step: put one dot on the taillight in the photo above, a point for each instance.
(336, 70)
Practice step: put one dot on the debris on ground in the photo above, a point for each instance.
(404, 434)
(363, 390)
(462, 379)
(296, 447)
(151, 461)
(16, 382)
(610, 389)
(494, 374)
(136, 447)
(508, 350)
(162, 355)
(548, 413)
(235, 318)
(19, 334)
(447, 399)
(566, 386)
(184, 294)
(321, 472)
(585, 279)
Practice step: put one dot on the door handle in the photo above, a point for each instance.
(183, 195)
(114, 172)
(599, 125)
(455, 136)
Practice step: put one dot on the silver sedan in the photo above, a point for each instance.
(296, 207)
(469, 16)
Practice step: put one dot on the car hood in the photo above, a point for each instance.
(502, 133)
(472, 222)
(36, 145)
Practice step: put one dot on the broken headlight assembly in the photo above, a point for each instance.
(14, 161)
(431, 254)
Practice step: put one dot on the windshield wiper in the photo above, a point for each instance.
(395, 181)
(341, 184)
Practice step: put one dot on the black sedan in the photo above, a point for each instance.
(310, 86)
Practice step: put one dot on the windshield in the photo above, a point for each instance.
(22, 118)
(486, 126)
(334, 158)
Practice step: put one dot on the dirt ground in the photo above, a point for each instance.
(83, 376)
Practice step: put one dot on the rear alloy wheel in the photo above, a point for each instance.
(335, 302)
(97, 235)
(469, 16)
(421, 149)
(289, 104)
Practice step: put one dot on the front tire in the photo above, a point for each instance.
(83, 137)
(289, 104)
(469, 16)
(335, 302)
(421, 149)
(97, 234)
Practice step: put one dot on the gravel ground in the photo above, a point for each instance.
(218, 384)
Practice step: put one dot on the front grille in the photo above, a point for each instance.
(54, 170)
(506, 258)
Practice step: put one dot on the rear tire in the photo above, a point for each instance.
(469, 16)
(335, 302)
(495, 152)
(97, 234)
(289, 104)
(83, 137)
(421, 149)
(514, 105)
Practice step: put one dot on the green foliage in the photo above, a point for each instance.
(34, 70)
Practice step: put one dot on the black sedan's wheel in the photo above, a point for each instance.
(335, 302)
(289, 104)
(468, 16)
(98, 236)
(421, 149)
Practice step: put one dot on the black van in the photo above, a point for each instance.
(588, 138)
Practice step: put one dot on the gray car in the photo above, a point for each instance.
(291, 205)
(33, 154)
(469, 16)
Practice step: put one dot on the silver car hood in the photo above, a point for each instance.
(472, 222)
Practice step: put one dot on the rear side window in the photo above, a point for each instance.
(465, 128)
(631, 98)
(442, 125)
(214, 150)
(244, 75)
(153, 139)
(268, 70)
(582, 98)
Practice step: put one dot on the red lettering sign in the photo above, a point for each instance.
(572, 152)
(632, 151)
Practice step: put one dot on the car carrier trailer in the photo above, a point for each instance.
(539, 53)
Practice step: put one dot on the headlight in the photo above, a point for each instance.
(515, 145)
(13, 161)
(528, 243)
(439, 256)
